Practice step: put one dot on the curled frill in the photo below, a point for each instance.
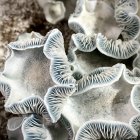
(28, 74)
(114, 19)
(25, 78)
(117, 49)
(100, 93)
(93, 16)
(60, 68)
(39, 78)
(34, 127)
(125, 15)
(125, 46)
(105, 130)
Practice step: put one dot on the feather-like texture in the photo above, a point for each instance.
(125, 15)
(107, 130)
(100, 77)
(117, 49)
(28, 41)
(76, 27)
(68, 127)
(84, 43)
(55, 100)
(31, 104)
(60, 68)
(128, 5)
(34, 129)
(25, 78)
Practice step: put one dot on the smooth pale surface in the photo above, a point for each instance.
(105, 103)
(27, 73)
(94, 20)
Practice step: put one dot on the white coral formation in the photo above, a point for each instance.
(23, 87)
(26, 77)
(76, 91)
(87, 94)
(105, 92)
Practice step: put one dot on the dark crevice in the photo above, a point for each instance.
(97, 58)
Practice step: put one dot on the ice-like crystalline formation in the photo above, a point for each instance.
(55, 100)
(32, 104)
(107, 130)
(76, 27)
(117, 49)
(128, 5)
(5, 90)
(84, 43)
(123, 46)
(111, 18)
(116, 99)
(26, 77)
(33, 128)
(88, 84)
(104, 91)
(102, 76)
(60, 68)
(68, 127)
(28, 41)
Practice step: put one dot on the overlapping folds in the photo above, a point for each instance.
(125, 15)
(40, 79)
(54, 50)
(117, 49)
(22, 86)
